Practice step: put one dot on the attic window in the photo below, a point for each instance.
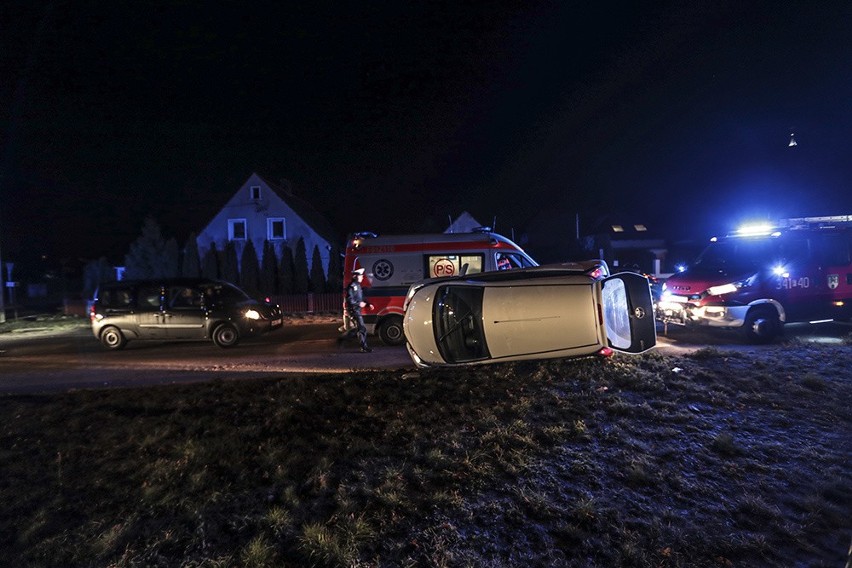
(640, 228)
(276, 229)
(618, 228)
(255, 192)
(237, 229)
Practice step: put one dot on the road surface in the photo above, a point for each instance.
(43, 362)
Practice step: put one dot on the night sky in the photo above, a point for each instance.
(393, 116)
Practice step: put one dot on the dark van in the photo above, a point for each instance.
(191, 309)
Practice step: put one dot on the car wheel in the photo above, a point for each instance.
(226, 335)
(390, 331)
(762, 325)
(112, 338)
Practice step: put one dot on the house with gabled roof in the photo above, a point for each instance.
(261, 211)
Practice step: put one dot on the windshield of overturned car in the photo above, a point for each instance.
(459, 334)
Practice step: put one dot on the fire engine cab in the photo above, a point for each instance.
(761, 277)
(392, 263)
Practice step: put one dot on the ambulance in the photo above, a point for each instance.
(392, 263)
(760, 277)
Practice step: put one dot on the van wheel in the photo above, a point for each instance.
(226, 335)
(112, 338)
(762, 325)
(390, 331)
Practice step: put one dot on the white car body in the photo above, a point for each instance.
(538, 313)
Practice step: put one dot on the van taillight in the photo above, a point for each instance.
(605, 352)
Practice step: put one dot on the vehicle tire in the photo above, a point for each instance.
(390, 331)
(112, 338)
(762, 325)
(226, 335)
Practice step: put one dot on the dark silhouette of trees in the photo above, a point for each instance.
(301, 282)
(149, 255)
(210, 266)
(268, 270)
(317, 280)
(171, 258)
(285, 271)
(249, 270)
(95, 273)
(191, 265)
(230, 271)
(334, 280)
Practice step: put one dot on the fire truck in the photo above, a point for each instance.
(392, 263)
(760, 277)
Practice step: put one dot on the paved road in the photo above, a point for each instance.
(48, 362)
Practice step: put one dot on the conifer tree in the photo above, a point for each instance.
(191, 264)
(268, 269)
(171, 259)
(95, 273)
(334, 280)
(317, 280)
(210, 266)
(285, 271)
(249, 269)
(230, 270)
(301, 281)
(147, 255)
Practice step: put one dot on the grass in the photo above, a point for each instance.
(727, 461)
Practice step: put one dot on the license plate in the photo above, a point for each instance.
(276, 323)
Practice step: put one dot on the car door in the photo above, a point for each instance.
(149, 316)
(184, 313)
(628, 312)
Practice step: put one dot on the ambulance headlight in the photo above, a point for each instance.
(252, 314)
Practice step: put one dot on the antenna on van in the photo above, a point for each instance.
(450, 219)
(494, 224)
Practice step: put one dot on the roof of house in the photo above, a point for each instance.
(304, 210)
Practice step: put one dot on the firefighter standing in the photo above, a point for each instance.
(354, 303)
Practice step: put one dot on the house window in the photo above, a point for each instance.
(276, 229)
(640, 228)
(255, 192)
(237, 229)
(618, 228)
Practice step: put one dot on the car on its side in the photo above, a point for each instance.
(552, 311)
(178, 309)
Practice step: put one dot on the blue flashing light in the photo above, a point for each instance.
(752, 230)
(680, 268)
(779, 270)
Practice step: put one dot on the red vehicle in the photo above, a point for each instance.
(394, 262)
(760, 278)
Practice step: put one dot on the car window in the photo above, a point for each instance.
(442, 265)
(511, 260)
(184, 297)
(616, 314)
(148, 297)
(628, 312)
(115, 298)
(458, 313)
